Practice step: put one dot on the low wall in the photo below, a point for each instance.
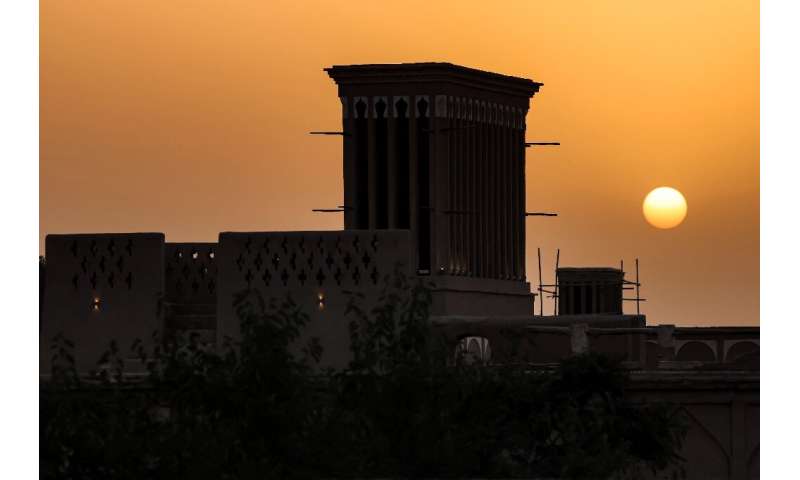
(707, 345)
(535, 339)
(539, 340)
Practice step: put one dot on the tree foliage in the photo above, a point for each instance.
(405, 406)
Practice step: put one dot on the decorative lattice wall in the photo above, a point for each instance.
(101, 287)
(315, 268)
(324, 260)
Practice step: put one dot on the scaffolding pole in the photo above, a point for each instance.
(637, 286)
(541, 300)
(555, 294)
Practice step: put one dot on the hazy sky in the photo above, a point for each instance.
(190, 118)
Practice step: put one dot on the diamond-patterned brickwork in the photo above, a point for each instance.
(337, 259)
(101, 263)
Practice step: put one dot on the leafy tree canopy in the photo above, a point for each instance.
(404, 407)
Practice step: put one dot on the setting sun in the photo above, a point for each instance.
(664, 207)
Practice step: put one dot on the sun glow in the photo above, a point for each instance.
(664, 207)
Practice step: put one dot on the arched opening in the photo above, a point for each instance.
(473, 349)
(381, 164)
(696, 352)
(740, 351)
(362, 165)
(402, 164)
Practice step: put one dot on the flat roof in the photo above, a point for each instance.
(589, 269)
(430, 71)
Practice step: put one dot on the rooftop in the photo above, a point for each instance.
(589, 269)
(431, 72)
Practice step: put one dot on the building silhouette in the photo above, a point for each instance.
(434, 188)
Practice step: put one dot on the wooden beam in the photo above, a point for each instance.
(343, 134)
(540, 214)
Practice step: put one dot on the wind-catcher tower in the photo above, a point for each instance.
(439, 149)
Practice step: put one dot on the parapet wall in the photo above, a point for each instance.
(101, 287)
(123, 287)
(541, 340)
(668, 345)
(316, 269)
(547, 340)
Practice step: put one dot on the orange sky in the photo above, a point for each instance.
(191, 117)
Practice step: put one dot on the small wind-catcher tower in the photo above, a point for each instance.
(589, 290)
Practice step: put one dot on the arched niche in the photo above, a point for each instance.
(473, 349)
(695, 351)
(741, 349)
